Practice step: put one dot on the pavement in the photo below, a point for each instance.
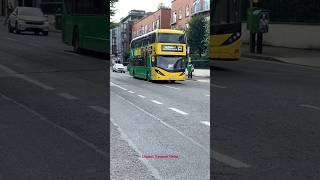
(164, 119)
(302, 57)
(265, 115)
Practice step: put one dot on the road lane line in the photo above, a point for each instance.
(216, 156)
(204, 80)
(310, 106)
(113, 84)
(35, 82)
(156, 102)
(218, 86)
(67, 96)
(228, 160)
(171, 87)
(68, 132)
(11, 39)
(165, 124)
(26, 78)
(154, 172)
(141, 96)
(131, 92)
(207, 123)
(100, 109)
(178, 111)
(34, 45)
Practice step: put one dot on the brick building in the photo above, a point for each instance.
(157, 20)
(183, 10)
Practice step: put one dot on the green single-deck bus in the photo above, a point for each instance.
(85, 24)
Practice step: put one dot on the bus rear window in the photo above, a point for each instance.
(171, 38)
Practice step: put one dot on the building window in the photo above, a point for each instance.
(174, 17)
(146, 28)
(187, 11)
(158, 23)
(180, 13)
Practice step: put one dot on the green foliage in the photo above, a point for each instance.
(162, 6)
(112, 10)
(198, 35)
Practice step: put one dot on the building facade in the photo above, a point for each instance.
(183, 10)
(157, 20)
(121, 35)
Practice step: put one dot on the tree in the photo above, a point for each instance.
(112, 12)
(197, 34)
(162, 6)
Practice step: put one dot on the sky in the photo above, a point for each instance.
(124, 6)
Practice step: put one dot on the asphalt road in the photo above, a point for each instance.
(167, 124)
(265, 115)
(54, 110)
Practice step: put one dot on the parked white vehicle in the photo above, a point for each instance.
(118, 68)
(28, 19)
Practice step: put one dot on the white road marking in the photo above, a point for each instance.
(100, 109)
(207, 123)
(112, 84)
(310, 106)
(208, 95)
(171, 87)
(35, 82)
(204, 80)
(67, 96)
(157, 102)
(141, 96)
(26, 78)
(131, 92)
(178, 111)
(218, 86)
(154, 171)
(34, 45)
(70, 133)
(11, 39)
(228, 160)
(215, 155)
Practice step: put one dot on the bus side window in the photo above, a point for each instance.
(153, 38)
(149, 40)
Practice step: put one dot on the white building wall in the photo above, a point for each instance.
(289, 35)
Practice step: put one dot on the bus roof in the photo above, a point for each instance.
(169, 31)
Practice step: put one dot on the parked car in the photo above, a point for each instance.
(28, 19)
(118, 68)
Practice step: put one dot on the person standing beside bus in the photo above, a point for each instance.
(190, 68)
(9, 11)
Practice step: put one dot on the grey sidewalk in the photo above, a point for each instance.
(204, 73)
(287, 55)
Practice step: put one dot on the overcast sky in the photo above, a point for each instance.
(124, 6)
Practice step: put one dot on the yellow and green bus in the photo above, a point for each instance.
(85, 25)
(159, 55)
(225, 30)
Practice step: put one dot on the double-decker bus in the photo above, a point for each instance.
(159, 55)
(85, 24)
(225, 39)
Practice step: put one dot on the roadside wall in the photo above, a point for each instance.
(289, 35)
